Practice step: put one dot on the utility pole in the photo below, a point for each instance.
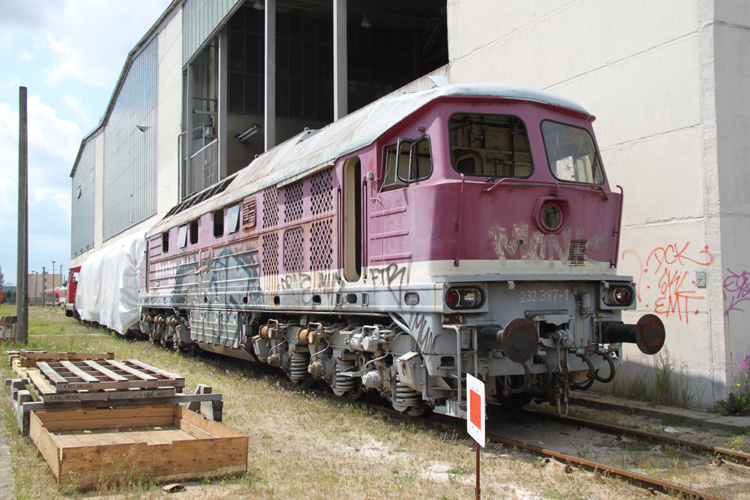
(44, 286)
(53, 282)
(22, 268)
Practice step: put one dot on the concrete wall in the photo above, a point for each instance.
(657, 88)
(732, 69)
(170, 113)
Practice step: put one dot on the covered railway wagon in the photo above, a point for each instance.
(464, 229)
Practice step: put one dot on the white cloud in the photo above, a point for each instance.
(26, 56)
(63, 200)
(55, 136)
(9, 165)
(90, 39)
(77, 106)
(12, 82)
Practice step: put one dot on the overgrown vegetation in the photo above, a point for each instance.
(664, 384)
(738, 404)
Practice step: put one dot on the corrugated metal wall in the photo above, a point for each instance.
(82, 210)
(130, 172)
(199, 19)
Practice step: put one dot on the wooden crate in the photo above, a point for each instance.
(93, 447)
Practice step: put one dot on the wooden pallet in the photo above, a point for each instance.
(67, 381)
(30, 357)
(167, 443)
(25, 401)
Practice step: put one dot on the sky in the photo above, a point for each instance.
(68, 54)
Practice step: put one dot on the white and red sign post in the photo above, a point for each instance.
(475, 423)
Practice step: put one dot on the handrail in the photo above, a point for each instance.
(460, 220)
(512, 180)
(457, 329)
(618, 229)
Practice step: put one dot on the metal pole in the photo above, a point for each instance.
(22, 267)
(53, 282)
(340, 65)
(478, 490)
(44, 285)
(269, 124)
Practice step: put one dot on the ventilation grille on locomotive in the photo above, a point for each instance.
(270, 254)
(293, 201)
(294, 256)
(248, 213)
(321, 245)
(577, 252)
(321, 192)
(270, 207)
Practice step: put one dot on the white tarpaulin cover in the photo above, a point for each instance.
(108, 284)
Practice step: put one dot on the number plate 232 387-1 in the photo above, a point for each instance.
(549, 295)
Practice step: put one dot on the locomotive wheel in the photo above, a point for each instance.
(421, 410)
(515, 400)
(358, 394)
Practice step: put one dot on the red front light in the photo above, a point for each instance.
(452, 298)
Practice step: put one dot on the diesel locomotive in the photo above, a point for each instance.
(463, 229)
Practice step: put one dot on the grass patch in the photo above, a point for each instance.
(662, 385)
(302, 446)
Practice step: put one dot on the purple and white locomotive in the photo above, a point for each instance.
(463, 229)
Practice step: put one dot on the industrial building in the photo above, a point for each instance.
(215, 83)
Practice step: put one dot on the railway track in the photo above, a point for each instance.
(644, 481)
(725, 454)
(649, 483)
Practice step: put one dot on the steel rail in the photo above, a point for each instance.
(635, 478)
(736, 456)
(629, 476)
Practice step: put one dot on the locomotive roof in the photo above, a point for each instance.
(310, 151)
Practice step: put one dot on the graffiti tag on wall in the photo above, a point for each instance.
(666, 277)
(736, 290)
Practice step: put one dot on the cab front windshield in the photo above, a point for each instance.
(490, 145)
(571, 153)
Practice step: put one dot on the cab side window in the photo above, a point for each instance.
(407, 161)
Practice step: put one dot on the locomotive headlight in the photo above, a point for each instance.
(622, 295)
(551, 216)
(464, 298)
(618, 295)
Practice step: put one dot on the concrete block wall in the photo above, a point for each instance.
(665, 82)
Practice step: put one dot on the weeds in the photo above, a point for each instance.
(740, 404)
(661, 385)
